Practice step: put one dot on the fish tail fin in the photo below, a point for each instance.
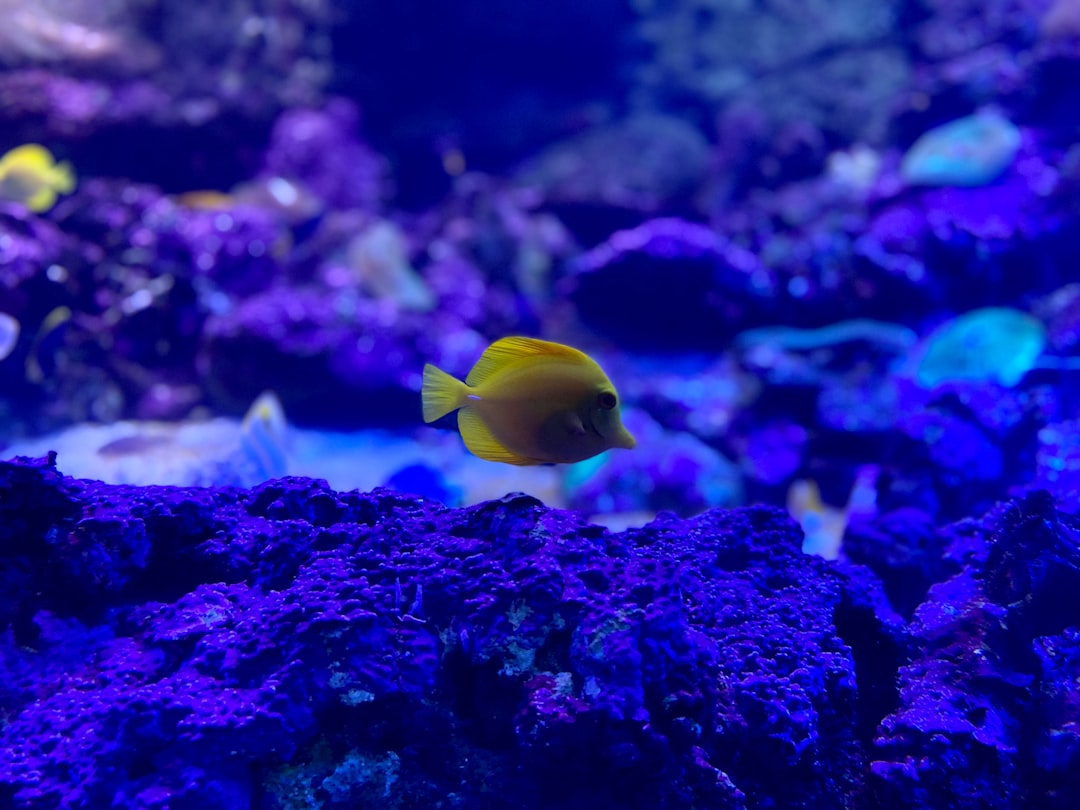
(63, 178)
(440, 393)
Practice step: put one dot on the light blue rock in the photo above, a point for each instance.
(990, 344)
(970, 151)
(9, 334)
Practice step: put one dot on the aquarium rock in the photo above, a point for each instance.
(250, 638)
(679, 285)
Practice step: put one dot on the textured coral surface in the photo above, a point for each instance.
(290, 646)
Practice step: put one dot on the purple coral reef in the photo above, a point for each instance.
(230, 648)
(171, 647)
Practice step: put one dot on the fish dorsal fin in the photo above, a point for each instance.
(481, 443)
(509, 350)
(29, 156)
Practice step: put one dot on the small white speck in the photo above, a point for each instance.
(283, 191)
(138, 300)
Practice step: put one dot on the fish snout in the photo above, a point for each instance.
(624, 440)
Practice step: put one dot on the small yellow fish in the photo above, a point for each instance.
(30, 175)
(206, 200)
(529, 401)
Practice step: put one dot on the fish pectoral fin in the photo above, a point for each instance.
(440, 393)
(509, 350)
(481, 443)
(574, 425)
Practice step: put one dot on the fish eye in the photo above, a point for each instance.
(606, 400)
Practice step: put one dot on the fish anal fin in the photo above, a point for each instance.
(509, 350)
(41, 200)
(481, 443)
(440, 393)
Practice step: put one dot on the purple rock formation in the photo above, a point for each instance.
(991, 244)
(87, 69)
(322, 147)
(670, 284)
(618, 175)
(831, 68)
(232, 648)
(138, 275)
(357, 360)
(1061, 312)
(671, 471)
(1057, 463)
(960, 448)
(987, 714)
(904, 550)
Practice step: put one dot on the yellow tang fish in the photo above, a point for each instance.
(30, 175)
(529, 401)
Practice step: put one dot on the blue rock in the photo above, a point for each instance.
(970, 151)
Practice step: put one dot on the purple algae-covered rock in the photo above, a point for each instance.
(333, 356)
(964, 445)
(138, 275)
(834, 71)
(102, 69)
(29, 245)
(235, 252)
(1061, 312)
(858, 403)
(1058, 745)
(322, 147)
(986, 244)
(969, 57)
(1057, 463)
(622, 172)
(140, 231)
(906, 552)
(500, 237)
(770, 453)
(64, 106)
(698, 395)
(670, 284)
(986, 715)
(669, 470)
(186, 647)
(469, 294)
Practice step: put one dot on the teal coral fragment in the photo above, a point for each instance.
(989, 344)
(970, 151)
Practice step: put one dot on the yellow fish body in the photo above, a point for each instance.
(30, 175)
(529, 401)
